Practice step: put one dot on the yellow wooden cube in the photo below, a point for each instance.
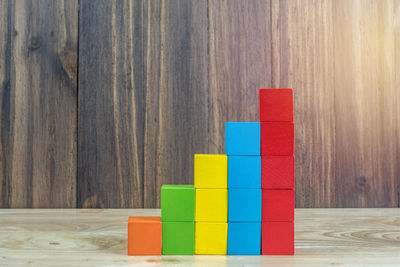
(211, 238)
(210, 171)
(211, 205)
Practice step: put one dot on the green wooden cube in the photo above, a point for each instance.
(178, 238)
(177, 203)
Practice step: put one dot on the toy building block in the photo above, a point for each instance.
(211, 238)
(277, 172)
(277, 138)
(178, 238)
(177, 203)
(244, 238)
(277, 238)
(277, 205)
(210, 171)
(244, 205)
(244, 172)
(211, 205)
(242, 138)
(144, 236)
(276, 104)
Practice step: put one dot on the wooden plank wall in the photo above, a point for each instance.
(101, 102)
(38, 103)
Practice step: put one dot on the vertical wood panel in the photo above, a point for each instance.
(240, 63)
(111, 112)
(143, 99)
(38, 68)
(340, 58)
(303, 58)
(367, 167)
(176, 93)
(159, 79)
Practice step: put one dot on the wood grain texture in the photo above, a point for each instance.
(158, 80)
(324, 237)
(177, 89)
(38, 83)
(365, 99)
(111, 113)
(302, 52)
(339, 56)
(240, 63)
(143, 99)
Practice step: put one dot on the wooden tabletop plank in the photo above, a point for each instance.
(345, 237)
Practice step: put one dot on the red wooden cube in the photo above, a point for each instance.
(277, 172)
(277, 238)
(277, 138)
(276, 104)
(277, 205)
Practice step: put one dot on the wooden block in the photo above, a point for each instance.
(144, 236)
(178, 238)
(277, 138)
(276, 104)
(211, 205)
(242, 138)
(177, 203)
(277, 172)
(210, 171)
(244, 238)
(244, 172)
(277, 238)
(277, 205)
(244, 205)
(211, 238)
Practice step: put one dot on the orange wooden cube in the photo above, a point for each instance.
(144, 235)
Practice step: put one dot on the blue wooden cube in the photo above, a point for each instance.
(244, 238)
(242, 138)
(244, 205)
(244, 172)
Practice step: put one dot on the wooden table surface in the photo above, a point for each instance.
(69, 237)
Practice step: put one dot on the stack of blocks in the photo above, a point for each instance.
(210, 181)
(277, 171)
(177, 216)
(242, 145)
(242, 203)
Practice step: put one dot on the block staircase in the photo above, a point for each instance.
(241, 203)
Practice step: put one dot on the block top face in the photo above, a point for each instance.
(276, 104)
(144, 219)
(210, 171)
(177, 203)
(242, 138)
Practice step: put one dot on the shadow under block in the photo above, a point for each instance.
(244, 238)
(177, 203)
(210, 171)
(242, 138)
(277, 172)
(178, 238)
(244, 205)
(244, 171)
(211, 238)
(276, 104)
(144, 236)
(277, 138)
(211, 205)
(277, 238)
(277, 205)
